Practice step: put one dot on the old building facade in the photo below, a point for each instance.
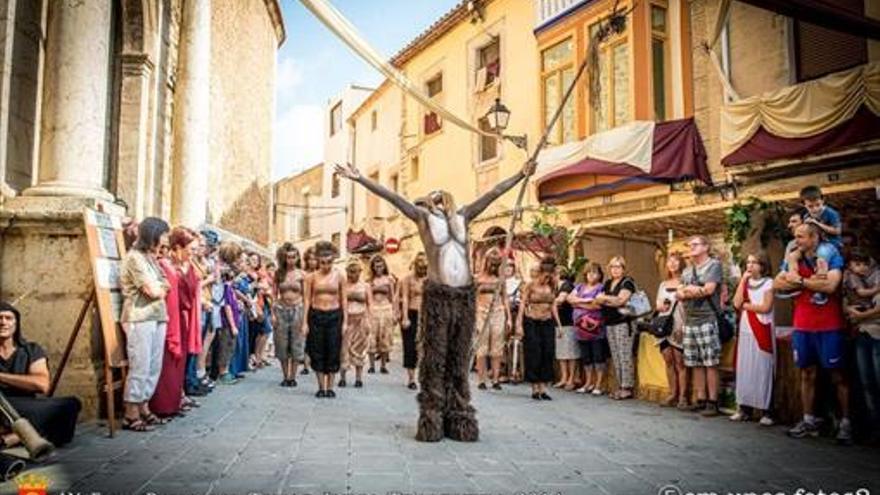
(297, 211)
(140, 107)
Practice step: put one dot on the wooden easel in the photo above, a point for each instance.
(106, 250)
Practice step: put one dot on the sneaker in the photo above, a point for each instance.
(320, 394)
(496, 386)
(804, 429)
(341, 383)
(844, 433)
(284, 383)
(371, 370)
(384, 371)
(544, 396)
(597, 392)
(536, 396)
(358, 384)
(412, 386)
(739, 416)
(766, 421)
(305, 371)
(481, 386)
(819, 299)
(583, 390)
(330, 394)
(227, 379)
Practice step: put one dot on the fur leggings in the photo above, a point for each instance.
(444, 345)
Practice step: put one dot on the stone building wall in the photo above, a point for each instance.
(243, 50)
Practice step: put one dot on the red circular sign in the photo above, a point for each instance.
(392, 245)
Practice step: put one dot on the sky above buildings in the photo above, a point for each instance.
(314, 66)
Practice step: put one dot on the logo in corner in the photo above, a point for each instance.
(32, 484)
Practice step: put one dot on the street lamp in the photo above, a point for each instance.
(498, 117)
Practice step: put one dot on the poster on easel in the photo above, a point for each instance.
(106, 250)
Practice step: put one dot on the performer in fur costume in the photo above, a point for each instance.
(448, 305)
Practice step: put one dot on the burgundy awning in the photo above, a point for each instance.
(677, 155)
(763, 146)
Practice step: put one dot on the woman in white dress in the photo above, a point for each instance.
(756, 344)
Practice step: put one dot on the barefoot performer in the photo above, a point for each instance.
(448, 304)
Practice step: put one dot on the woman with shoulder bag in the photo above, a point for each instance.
(590, 332)
(617, 291)
(671, 345)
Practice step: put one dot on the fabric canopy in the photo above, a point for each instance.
(628, 157)
(802, 110)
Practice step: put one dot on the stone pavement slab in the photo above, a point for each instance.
(258, 438)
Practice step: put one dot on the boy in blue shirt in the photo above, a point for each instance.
(828, 220)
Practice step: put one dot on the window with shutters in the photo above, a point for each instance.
(557, 73)
(434, 88)
(614, 97)
(660, 62)
(336, 119)
(488, 144)
(488, 64)
(820, 51)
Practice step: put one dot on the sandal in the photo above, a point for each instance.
(136, 424)
(152, 419)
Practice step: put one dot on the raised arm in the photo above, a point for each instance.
(474, 209)
(410, 210)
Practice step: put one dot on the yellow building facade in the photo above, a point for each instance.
(465, 61)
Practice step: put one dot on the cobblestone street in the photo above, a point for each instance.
(256, 437)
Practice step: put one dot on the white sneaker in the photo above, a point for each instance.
(583, 390)
(596, 392)
(738, 416)
(766, 421)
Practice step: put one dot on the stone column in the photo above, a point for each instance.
(73, 135)
(192, 116)
(131, 182)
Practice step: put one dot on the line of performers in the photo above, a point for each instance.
(335, 322)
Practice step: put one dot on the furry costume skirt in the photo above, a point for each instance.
(444, 345)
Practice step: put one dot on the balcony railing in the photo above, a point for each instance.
(547, 10)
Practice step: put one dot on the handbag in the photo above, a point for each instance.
(638, 305)
(592, 327)
(660, 325)
(725, 326)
